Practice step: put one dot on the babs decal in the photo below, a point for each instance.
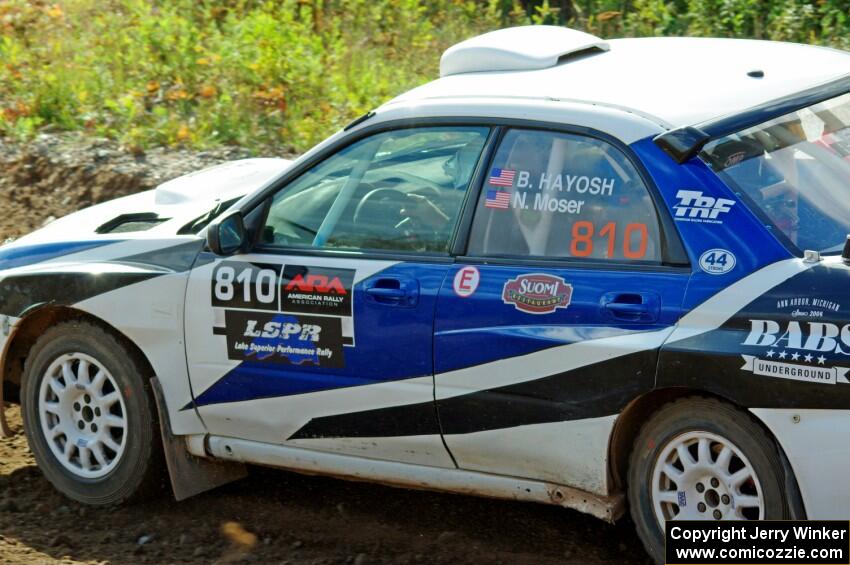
(802, 351)
(807, 306)
(537, 293)
(284, 338)
(316, 290)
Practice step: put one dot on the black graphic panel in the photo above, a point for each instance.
(237, 284)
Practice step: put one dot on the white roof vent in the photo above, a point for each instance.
(516, 49)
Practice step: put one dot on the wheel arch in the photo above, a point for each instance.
(28, 329)
(631, 419)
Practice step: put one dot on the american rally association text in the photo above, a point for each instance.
(756, 532)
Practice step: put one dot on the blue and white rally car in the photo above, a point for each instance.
(570, 271)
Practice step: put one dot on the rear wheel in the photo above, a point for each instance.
(701, 459)
(89, 416)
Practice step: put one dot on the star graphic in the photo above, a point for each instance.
(770, 353)
(808, 358)
(795, 356)
(821, 360)
(783, 354)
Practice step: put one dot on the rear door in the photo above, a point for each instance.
(552, 321)
(321, 335)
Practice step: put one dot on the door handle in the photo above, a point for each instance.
(642, 307)
(625, 308)
(396, 293)
(392, 291)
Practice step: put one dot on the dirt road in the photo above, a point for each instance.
(279, 517)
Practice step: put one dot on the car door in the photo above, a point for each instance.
(320, 336)
(551, 322)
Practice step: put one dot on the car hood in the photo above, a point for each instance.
(162, 211)
(143, 222)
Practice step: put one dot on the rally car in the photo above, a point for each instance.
(589, 273)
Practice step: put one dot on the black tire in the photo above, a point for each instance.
(706, 415)
(138, 472)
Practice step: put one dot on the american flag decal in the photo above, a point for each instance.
(500, 199)
(502, 177)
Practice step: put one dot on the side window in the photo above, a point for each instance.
(559, 195)
(399, 190)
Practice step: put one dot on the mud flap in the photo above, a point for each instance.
(190, 475)
(4, 426)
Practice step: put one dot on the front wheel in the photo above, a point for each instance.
(89, 417)
(701, 459)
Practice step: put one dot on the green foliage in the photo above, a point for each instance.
(286, 73)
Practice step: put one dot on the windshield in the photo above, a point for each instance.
(795, 171)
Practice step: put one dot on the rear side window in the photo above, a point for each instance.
(558, 195)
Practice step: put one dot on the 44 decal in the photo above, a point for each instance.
(717, 261)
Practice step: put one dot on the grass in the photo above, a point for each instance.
(286, 73)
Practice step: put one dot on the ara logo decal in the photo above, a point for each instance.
(694, 206)
(537, 293)
(317, 283)
(316, 290)
(717, 261)
(800, 351)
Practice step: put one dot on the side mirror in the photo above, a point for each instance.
(226, 235)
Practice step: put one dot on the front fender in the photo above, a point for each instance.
(140, 295)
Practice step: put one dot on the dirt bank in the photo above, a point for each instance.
(58, 174)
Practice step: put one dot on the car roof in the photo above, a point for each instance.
(673, 82)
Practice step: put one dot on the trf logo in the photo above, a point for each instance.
(693, 206)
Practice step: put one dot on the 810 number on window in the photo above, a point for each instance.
(634, 240)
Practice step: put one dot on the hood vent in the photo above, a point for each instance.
(524, 48)
(127, 223)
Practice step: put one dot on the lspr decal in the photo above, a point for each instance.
(284, 338)
(537, 293)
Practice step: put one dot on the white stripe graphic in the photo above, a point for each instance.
(704, 318)
(79, 260)
(545, 363)
(717, 310)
